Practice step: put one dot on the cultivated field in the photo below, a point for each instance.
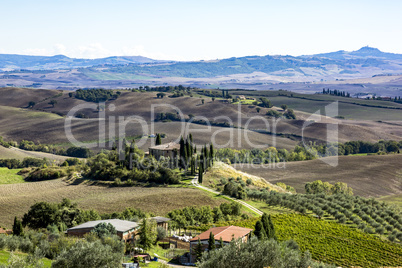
(369, 176)
(40, 125)
(15, 199)
(16, 153)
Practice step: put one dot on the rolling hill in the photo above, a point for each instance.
(303, 73)
(369, 176)
(16, 62)
(44, 123)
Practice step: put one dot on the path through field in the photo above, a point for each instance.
(196, 184)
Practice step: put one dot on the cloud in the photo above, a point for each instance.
(97, 50)
(60, 49)
(92, 51)
(37, 52)
(140, 50)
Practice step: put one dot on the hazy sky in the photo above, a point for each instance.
(203, 29)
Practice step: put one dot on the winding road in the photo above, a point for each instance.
(196, 184)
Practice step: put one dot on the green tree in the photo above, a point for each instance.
(158, 139)
(90, 254)
(40, 215)
(290, 114)
(257, 253)
(198, 250)
(147, 233)
(221, 244)
(17, 227)
(259, 231)
(258, 109)
(104, 229)
(70, 94)
(53, 102)
(284, 107)
(31, 104)
(265, 103)
(211, 242)
(200, 172)
(202, 101)
(161, 95)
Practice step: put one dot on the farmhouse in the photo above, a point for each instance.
(161, 222)
(125, 229)
(166, 150)
(227, 233)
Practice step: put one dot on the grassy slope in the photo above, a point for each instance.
(378, 175)
(10, 176)
(5, 255)
(15, 199)
(221, 170)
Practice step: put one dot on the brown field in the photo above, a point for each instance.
(15, 199)
(369, 176)
(40, 125)
(15, 153)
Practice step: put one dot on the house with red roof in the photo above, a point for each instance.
(227, 233)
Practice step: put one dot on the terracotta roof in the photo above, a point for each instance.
(226, 232)
(5, 231)
(166, 146)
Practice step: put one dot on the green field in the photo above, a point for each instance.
(393, 200)
(5, 255)
(335, 243)
(10, 176)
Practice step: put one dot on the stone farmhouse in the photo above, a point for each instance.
(166, 150)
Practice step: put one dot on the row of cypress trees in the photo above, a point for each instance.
(190, 159)
(264, 228)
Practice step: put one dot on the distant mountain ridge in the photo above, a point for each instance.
(16, 62)
(364, 62)
(251, 72)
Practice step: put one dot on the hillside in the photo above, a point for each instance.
(15, 199)
(16, 62)
(253, 72)
(22, 123)
(369, 176)
(15, 153)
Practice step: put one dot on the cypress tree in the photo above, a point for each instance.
(17, 227)
(192, 166)
(182, 147)
(221, 244)
(200, 173)
(188, 148)
(198, 250)
(266, 225)
(211, 242)
(259, 231)
(158, 139)
(272, 228)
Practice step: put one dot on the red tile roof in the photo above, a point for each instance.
(5, 231)
(226, 232)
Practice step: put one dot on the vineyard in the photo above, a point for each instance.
(368, 215)
(335, 243)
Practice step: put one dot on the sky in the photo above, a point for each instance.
(195, 30)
